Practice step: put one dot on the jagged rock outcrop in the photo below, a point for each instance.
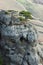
(19, 45)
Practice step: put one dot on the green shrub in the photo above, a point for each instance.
(21, 18)
(26, 14)
(1, 60)
(10, 10)
(6, 12)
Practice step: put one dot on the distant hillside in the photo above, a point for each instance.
(34, 6)
(38, 1)
(11, 4)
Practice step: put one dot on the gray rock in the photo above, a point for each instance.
(21, 43)
(32, 59)
(11, 52)
(25, 63)
(16, 58)
(12, 64)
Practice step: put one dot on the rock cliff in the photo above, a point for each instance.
(19, 45)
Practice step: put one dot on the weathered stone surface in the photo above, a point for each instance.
(20, 45)
(16, 58)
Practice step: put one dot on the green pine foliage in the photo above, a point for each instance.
(26, 14)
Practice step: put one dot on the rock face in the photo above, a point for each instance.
(19, 45)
